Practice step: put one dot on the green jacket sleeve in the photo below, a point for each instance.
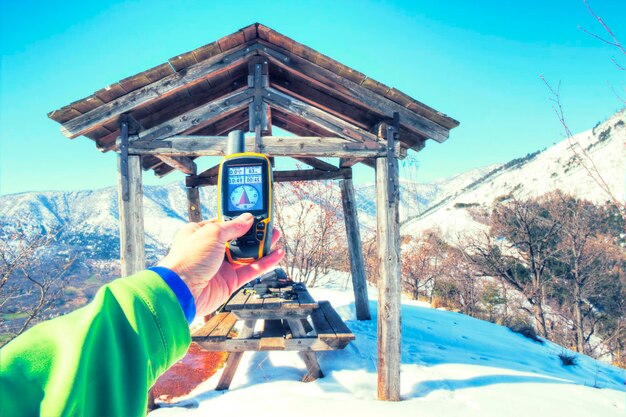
(99, 360)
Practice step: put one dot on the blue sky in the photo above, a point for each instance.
(478, 62)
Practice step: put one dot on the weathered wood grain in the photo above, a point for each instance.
(317, 116)
(221, 331)
(356, 92)
(198, 117)
(355, 250)
(234, 358)
(272, 337)
(132, 239)
(180, 163)
(194, 208)
(389, 284)
(308, 146)
(153, 91)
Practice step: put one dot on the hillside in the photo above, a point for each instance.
(558, 167)
(452, 365)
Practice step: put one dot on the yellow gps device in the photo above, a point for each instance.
(245, 185)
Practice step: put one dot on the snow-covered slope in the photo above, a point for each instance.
(576, 166)
(452, 365)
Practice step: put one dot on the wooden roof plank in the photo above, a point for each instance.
(64, 114)
(250, 32)
(280, 40)
(359, 93)
(183, 61)
(87, 104)
(207, 51)
(168, 85)
(135, 82)
(110, 92)
(231, 41)
(263, 32)
(158, 72)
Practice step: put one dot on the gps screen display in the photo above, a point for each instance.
(245, 188)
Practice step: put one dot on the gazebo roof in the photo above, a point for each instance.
(218, 72)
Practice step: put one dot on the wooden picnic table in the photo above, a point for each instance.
(293, 322)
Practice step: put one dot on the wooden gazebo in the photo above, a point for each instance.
(164, 118)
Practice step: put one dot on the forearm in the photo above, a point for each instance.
(100, 359)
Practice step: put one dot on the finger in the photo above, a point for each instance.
(230, 229)
(233, 229)
(203, 222)
(187, 230)
(247, 273)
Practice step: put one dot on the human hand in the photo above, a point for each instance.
(197, 256)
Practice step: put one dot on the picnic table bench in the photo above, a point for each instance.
(297, 324)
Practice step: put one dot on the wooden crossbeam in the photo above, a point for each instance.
(352, 91)
(181, 163)
(347, 163)
(211, 172)
(195, 73)
(318, 164)
(319, 117)
(309, 146)
(198, 117)
(281, 176)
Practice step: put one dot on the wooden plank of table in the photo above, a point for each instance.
(305, 344)
(322, 327)
(208, 327)
(221, 331)
(272, 337)
(343, 334)
(304, 297)
(238, 302)
(272, 303)
(254, 303)
(273, 314)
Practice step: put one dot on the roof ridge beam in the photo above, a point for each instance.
(354, 91)
(217, 64)
(316, 116)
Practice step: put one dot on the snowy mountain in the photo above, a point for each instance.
(452, 365)
(87, 220)
(580, 166)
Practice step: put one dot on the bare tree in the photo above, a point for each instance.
(518, 250)
(421, 262)
(32, 279)
(309, 215)
(588, 252)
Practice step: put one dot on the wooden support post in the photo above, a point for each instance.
(193, 204)
(389, 282)
(357, 264)
(130, 200)
(234, 358)
(310, 358)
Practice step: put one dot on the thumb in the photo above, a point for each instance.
(235, 228)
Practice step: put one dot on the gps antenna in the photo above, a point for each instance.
(236, 142)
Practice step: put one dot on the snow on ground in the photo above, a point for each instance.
(452, 365)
